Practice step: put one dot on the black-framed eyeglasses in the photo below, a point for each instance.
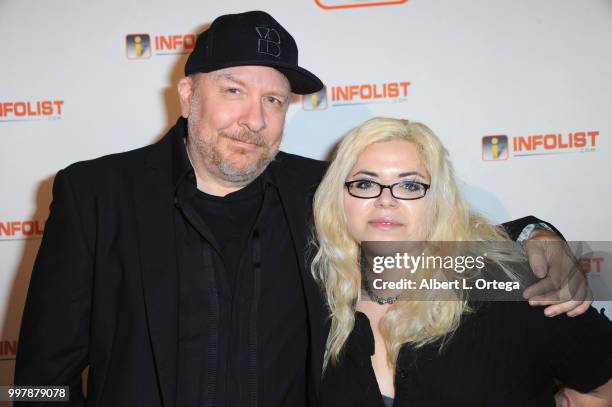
(368, 189)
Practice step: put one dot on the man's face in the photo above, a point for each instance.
(236, 118)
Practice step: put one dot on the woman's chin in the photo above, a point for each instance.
(387, 237)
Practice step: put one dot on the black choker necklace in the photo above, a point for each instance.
(365, 284)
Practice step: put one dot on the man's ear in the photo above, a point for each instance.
(185, 90)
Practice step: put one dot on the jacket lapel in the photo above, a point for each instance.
(297, 204)
(154, 207)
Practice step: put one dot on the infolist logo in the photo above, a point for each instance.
(495, 148)
(501, 147)
(21, 229)
(358, 94)
(340, 4)
(555, 143)
(138, 46)
(144, 46)
(8, 348)
(315, 101)
(367, 93)
(13, 111)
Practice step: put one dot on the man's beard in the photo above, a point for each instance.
(213, 156)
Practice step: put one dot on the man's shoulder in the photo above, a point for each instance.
(110, 172)
(121, 163)
(303, 165)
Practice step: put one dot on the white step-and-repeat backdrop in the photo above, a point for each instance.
(533, 78)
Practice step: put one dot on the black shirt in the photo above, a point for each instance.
(231, 218)
(243, 331)
(503, 354)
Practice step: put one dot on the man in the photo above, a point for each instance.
(177, 272)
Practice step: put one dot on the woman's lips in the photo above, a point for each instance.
(385, 224)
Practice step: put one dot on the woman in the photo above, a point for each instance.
(391, 180)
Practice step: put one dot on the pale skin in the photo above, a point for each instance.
(600, 397)
(561, 292)
(388, 219)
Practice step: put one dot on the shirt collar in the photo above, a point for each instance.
(181, 166)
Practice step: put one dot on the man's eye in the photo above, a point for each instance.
(233, 91)
(273, 100)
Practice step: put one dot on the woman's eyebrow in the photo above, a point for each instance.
(406, 174)
(401, 175)
(368, 173)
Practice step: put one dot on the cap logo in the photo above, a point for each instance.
(269, 41)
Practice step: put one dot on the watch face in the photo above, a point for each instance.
(331, 4)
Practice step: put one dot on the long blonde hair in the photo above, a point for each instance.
(336, 262)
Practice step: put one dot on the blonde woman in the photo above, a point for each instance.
(391, 180)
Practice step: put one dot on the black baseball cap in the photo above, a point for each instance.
(251, 38)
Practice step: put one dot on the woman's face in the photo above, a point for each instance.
(387, 218)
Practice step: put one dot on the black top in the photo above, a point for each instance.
(503, 354)
(231, 219)
(243, 330)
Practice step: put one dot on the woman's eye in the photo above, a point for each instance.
(411, 186)
(364, 184)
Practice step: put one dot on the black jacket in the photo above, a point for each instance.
(103, 291)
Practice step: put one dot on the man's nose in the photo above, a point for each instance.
(253, 116)
(385, 199)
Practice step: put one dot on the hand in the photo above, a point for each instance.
(563, 286)
(561, 399)
(599, 397)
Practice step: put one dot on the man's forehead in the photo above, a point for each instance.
(248, 73)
